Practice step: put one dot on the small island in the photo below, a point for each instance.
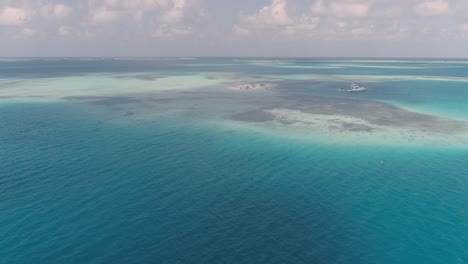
(251, 87)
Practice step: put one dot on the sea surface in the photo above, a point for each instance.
(233, 160)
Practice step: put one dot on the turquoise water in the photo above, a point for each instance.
(143, 173)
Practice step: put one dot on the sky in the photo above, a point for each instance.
(250, 28)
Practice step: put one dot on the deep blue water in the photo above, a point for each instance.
(76, 186)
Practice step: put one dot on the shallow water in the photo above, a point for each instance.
(159, 161)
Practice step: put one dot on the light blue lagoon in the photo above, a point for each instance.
(233, 160)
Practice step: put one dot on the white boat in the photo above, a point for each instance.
(355, 88)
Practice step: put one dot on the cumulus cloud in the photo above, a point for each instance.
(168, 11)
(61, 11)
(12, 16)
(175, 14)
(464, 27)
(240, 31)
(305, 23)
(104, 15)
(395, 31)
(57, 11)
(26, 33)
(63, 31)
(432, 8)
(133, 4)
(341, 9)
(365, 30)
(275, 17)
(165, 30)
(274, 14)
(309, 21)
(165, 17)
(179, 18)
(105, 11)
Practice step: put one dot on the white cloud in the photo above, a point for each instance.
(341, 24)
(165, 30)
(395, 31)
(389, 12)
(105, 11)
(58, 11)
(432, 8)
(349, 9)
(12, 16)
(275, 18)
(365, 30)
(175, 14)
(61, 11)
(464, 27)
(133, 4)
(104, 15)
(319, 8)
(169, 17)
(240, 31)
(304, 23)
(274, 14)
(158, 17)
(179, 18)
(63, 31)
(341, 9)
(26, 33)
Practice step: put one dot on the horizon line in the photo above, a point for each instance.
(242, 57)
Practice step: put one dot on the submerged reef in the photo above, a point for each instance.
(372, 112)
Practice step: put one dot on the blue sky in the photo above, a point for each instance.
(320, 28)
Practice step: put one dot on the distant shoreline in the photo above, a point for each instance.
(241, 57)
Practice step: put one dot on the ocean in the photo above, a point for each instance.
(233, 160)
